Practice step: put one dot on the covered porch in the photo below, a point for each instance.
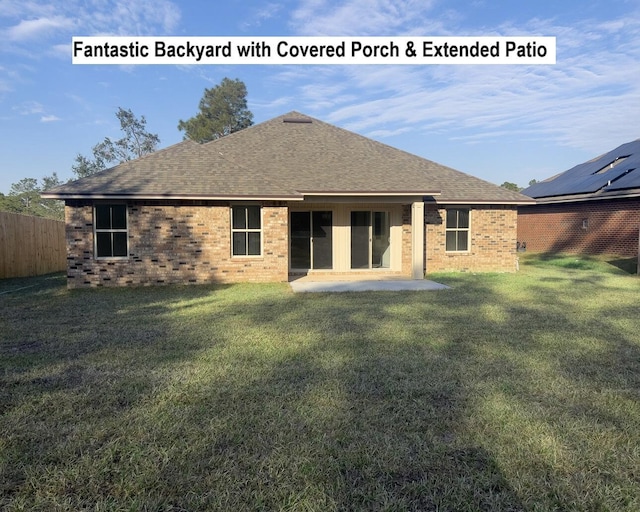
(356, 238)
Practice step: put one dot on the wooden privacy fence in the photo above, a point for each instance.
(30, 246)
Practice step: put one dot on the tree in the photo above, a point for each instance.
(85, 167)
(28, 192)
(533, 182)
(24, 197)
(511, 186)
(52, 207)
(51, 181)
(10, 204)
(223, 110)
(136, 142)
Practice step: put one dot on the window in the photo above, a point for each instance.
(457, 230)
(111, 232)
(246, 231)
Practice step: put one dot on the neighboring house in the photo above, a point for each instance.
(288, 197)
(593, 208)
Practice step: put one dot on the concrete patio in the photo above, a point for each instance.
(386, 285)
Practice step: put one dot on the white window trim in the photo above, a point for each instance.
(247, 230)
(456, 230)
(96, 231)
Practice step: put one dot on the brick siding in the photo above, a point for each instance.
(611, 227)
(175, 243)
(492, 240)
(181, 242)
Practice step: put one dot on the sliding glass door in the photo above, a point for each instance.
(321, 240)
(311, 240)
(381, 240)
(360, 239)
(370, 240)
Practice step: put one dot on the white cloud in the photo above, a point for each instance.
(29, 108)
(388, 133)
(19, 8)
(274, 104)
(359, 17)
(264, 13)
(142, 17)
(34, 30)
(61, 50)
(32, 108)
(589, 99)
(33, 21)
(30, 29)
(4, 83)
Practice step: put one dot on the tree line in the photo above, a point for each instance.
(221, 111)
(515, 187)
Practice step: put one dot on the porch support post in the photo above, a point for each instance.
(417, 240)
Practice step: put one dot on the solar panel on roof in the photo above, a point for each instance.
(630, 180)
(610, 166)
(611, 170)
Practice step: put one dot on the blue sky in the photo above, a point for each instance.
(500, 123)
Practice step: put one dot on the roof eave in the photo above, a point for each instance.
(366, 193)
(484, 201)
(584, 198)
(186, 197)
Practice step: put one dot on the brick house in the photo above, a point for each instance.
(593, 208)
(288, 197)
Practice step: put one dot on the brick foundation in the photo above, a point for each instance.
(594, 227)
(492, 242)
(175, 243)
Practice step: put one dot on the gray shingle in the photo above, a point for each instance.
(287, 157)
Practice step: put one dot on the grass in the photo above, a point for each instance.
(606, 264)
(507, 392)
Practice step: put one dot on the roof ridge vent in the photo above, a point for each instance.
(297, 120)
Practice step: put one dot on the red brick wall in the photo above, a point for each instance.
(492, 240)
(190, 242)
(612, 227)
(175, 243)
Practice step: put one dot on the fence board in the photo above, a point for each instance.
(30, 246)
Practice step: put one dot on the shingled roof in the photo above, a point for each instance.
(615, 174)
(288, 157)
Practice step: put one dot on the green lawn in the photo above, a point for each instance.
(507, 392)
